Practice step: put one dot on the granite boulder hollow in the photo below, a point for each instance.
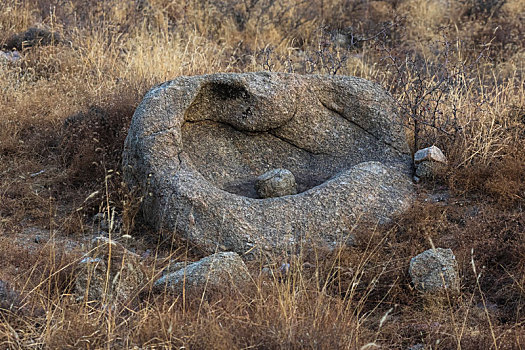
(196, 146)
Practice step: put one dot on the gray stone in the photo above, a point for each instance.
(276, 183)
(196, 146)
(434, 270)
(284, 269)
(220, 272)
(429, 170)
(432, 153)
(430, 162)
(90, 280)
(417, 346)
(93, 280)
(174, 267)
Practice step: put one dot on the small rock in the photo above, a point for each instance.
(266, 271)
(429, 169)
(432, 154)
(276, 183)
(434, 270)
(430, 162)
(215, 273)
(438, 197)
(284, 269)
(351, 240)
(90, 279)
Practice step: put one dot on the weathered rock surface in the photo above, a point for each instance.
(431, 153)
(430, 162)
(220, 272)
(125, 277)
(196, 146)
(434, 270)
(428, 170)
(276, 183)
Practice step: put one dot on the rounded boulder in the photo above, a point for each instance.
(196, 146)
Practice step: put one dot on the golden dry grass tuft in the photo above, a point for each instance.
(456, 69)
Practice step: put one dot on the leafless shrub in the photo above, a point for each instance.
(428, 92)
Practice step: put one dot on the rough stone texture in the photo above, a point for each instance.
(431, 268)
(428, 170)
(174, 267)
(432, 154)
(276, 183)
(126, 275)
(430, 162)
(417, 346)
(90, 279)
(197, 144)
(215, 273)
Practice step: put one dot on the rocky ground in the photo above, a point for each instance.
(79, 267)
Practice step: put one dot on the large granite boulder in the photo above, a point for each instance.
(197, 145)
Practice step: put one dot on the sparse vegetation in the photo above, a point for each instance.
(457, 70)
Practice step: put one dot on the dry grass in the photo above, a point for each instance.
(457, 69)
